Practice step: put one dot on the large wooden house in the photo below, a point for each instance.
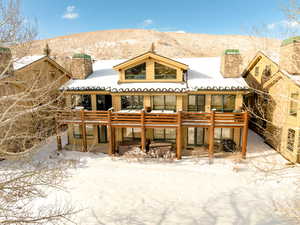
(273, 102)
(161, 95)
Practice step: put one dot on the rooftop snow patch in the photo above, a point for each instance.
(25, 61)
(203, 74)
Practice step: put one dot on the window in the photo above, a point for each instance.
(132, 102)
(164, 102)
(82, 101)
(294, 104)
(291, 139)
(164, 72)
(267, 71)
(256, 71)
(166, 134)
(104, 102)
(52, 74)
(102, 134)
(223, 103)
(136, 73)
(77, 131)
(130, 134)
(223, 133)
(78, 128)
(196, 103)
(195, 136)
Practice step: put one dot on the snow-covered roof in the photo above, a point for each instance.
(25, 61)
(203, 74)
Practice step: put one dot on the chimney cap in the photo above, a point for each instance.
(290, 40)
(232, 52)
(81, 56)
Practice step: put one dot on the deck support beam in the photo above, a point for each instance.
(110, 134)
(83, 132)
(179, 136)
(143, 131)
(245, 135)
(211, 136)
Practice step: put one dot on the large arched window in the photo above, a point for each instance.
(136, 73)
(164, 72)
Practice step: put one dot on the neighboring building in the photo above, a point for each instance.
(274, 100)
(160, 85)
(29, 82)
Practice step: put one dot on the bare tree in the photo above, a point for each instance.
(27, 107)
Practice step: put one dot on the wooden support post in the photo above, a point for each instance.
(83, 132)
(143, 131)
(59, 144)
(245, 135)
(179, 135)
(211, 135)
(110, 134)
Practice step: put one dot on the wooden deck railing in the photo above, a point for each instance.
(145, 120)
(120, 119)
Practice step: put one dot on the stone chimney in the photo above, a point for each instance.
(231, 63)
(290, 55)
(5, 61)
(81, 66)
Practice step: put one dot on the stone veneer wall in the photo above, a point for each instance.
(231, 63)
(81, 66)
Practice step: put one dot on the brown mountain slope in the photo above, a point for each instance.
(116, 44)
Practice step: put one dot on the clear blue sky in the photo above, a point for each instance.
(62, 17)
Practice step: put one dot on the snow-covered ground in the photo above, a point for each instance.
(190, 191)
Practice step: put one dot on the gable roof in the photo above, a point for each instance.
(275, 59)
(153, 55)
(203, 74)
(29, 60)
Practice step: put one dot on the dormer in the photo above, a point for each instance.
(151, 67)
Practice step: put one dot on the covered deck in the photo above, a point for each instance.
(144, 120)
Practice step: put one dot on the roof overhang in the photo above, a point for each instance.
(154, 56)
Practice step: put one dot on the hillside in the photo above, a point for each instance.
(116, 44)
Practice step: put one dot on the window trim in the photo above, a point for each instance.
(164, 102)
(197, 106)
(144, 75)
(291, 137)
(164, 78)
(223, 98)
(294, 104)
(140, 98)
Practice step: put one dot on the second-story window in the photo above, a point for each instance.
(132, 102)
(136, 73)
(196, 103)
(163, 72)
(82, 101)
(223, 103)
(294, 104)
(164, 102)
(291, 139)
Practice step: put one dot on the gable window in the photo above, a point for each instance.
(196, 103)
(136, 73)
(293, 104)
(223, 103)
(132, 102)
(164, 102)
(164, 72)
(267, 71)
(291, 139)
(256, 71)
(82, 101)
